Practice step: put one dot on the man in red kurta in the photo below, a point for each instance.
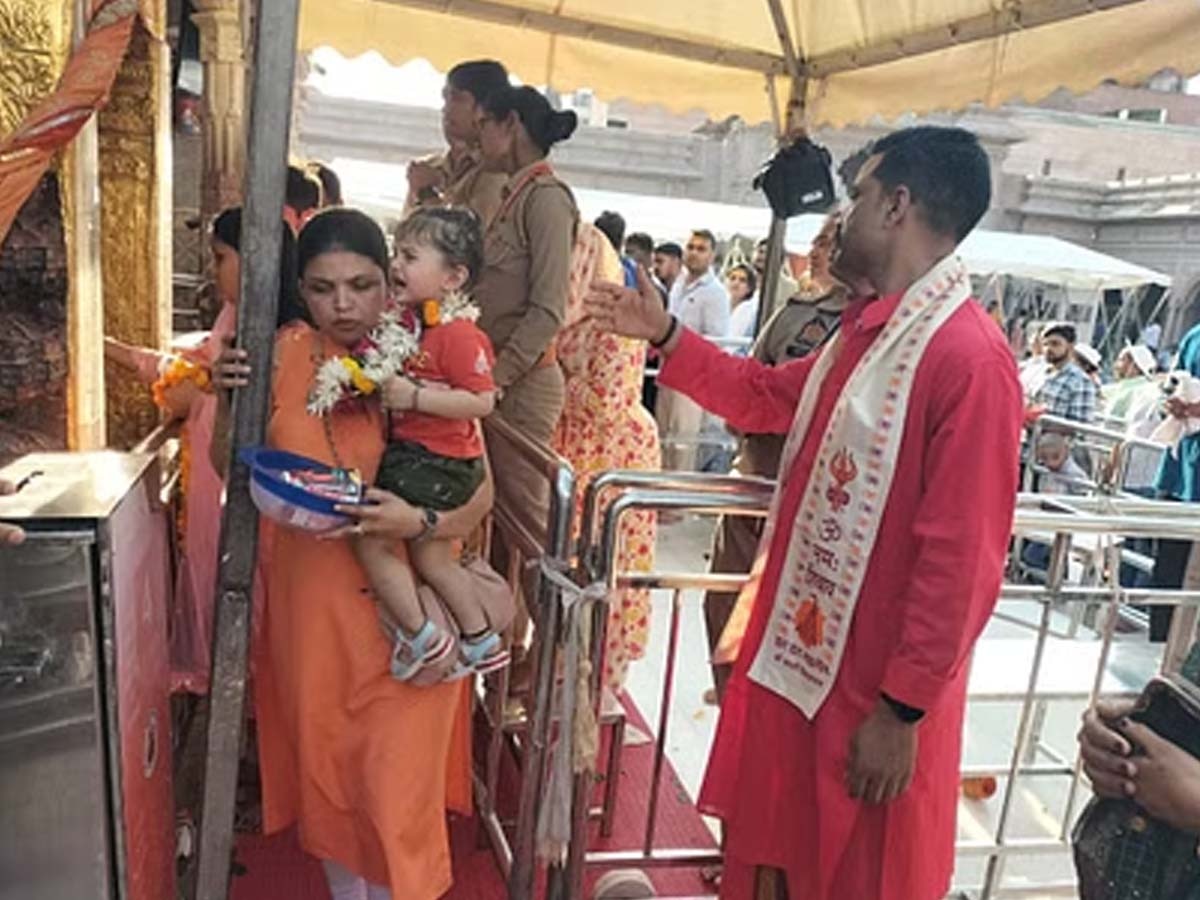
(858, 800)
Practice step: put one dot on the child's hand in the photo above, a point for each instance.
(400, 393)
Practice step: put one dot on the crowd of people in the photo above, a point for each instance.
(714, 287)
(877, 393)
(362, 717)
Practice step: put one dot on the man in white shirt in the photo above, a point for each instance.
(698, 298)
(701, 303)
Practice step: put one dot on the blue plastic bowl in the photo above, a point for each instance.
(289, 504)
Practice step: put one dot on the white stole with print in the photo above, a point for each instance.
(839, 515)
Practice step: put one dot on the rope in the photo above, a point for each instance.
(574, 751)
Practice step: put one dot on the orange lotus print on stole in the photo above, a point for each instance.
(844, 470)
(809, 622)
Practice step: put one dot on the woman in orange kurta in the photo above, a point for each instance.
(364, 765)
(604, 426)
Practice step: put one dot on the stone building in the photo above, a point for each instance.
(1109, 169)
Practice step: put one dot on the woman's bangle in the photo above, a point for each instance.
(666, 338)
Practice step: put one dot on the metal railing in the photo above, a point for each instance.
(1109, 519)
(1112, 520)
(533, 538)
(1110, 453)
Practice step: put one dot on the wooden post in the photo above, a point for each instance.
(80, 187)
(270, 117)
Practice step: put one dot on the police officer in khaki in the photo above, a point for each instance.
(457, 177)
(522, 293)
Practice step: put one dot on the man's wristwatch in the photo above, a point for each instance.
(672, 327)
(429, 524)
(909, 715)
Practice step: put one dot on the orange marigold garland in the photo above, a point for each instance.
(177, 372)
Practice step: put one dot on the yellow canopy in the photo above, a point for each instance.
(860, 58)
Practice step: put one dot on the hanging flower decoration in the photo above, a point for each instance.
(373, 360)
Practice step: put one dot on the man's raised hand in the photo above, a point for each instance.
(631, 313)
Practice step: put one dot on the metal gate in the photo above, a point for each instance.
(1064, 642)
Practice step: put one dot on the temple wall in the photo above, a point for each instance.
(35, 38)
(90, 250)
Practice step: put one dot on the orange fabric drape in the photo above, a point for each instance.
(82, 90)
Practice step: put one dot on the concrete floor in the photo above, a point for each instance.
(1002, 666)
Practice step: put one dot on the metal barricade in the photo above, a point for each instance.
(1110, 452)
(1088, 675)
(1113, 520)
(618, 493)
(532, 540)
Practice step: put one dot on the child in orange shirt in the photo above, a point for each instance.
(434, 457)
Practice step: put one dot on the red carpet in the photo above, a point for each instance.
(277, 869)
(679, 825)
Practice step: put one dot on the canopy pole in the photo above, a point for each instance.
(792, 125)
(262, 231)
(773, 100)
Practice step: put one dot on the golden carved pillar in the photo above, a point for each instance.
(135, 189)
(35, 38)
(222, 51)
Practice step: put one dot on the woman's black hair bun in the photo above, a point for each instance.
(562, 125)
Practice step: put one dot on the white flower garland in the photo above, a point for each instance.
(458, 305)
(382, 354)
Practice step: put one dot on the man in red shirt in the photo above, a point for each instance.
(835, 767)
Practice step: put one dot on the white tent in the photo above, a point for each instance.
(1050, 259)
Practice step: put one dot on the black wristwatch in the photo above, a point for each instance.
(429, 524)
(909, 715)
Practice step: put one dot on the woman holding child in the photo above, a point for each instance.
(363, 763)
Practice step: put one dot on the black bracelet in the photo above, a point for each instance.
(666, 339)
(909, 715)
